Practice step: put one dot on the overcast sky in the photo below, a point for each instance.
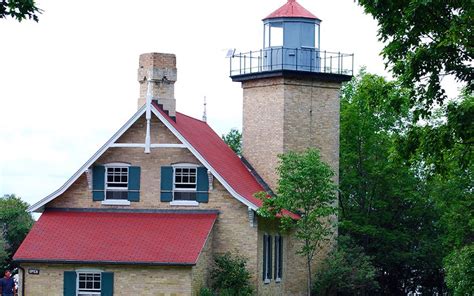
(69, 82)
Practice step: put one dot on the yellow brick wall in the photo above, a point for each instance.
(232, 230)
(283, 114)
(128, 280)
(200, 272)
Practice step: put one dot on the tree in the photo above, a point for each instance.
(442, 151)
(385, 203)
(234, 140)
(425, 41)
(460, 271)
(346, 271)
(230, 276)
(305, 186)
(19, 9)
(16, 222)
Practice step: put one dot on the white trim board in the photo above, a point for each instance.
(38, 206)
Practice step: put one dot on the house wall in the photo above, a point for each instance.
(271, 227)
(200, 272)
(232, 230)
(128, 280)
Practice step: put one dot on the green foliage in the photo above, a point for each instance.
(306, 187)
(205, 292)
(460, 271)
(230, 276)
(234, 140)
(385, 203)
(19, 9)
(426, 40)
(16, 222)
(346, 271)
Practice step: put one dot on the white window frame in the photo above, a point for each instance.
(184, 202)
(112, 201)
(87, 271)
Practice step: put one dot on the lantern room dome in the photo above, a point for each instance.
(292, 9)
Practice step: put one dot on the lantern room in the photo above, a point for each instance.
(291, 43)
(291, 26)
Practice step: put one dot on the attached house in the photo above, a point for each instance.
(147, 212)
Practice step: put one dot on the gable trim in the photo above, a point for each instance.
(203, 160)
(37, 206)
(111, 143)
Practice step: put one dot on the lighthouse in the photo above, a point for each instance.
(291, 91)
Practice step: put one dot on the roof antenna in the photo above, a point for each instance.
(204, 114)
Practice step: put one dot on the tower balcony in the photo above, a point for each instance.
(292, 62)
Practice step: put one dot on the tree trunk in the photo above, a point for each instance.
(308, 259)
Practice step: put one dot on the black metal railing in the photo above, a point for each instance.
(296, 59)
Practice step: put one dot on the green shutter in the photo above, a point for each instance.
(107, 288)
(134, 183)
(98, 183)
(166, 183)
(202, 194)
(70, 283)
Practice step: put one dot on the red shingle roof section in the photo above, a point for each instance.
(291, 9)
(148, 238)
(218, 154)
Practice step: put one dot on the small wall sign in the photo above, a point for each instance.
(33, 271)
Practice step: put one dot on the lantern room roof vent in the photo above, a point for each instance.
(292, 9)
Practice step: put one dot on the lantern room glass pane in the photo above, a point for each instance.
(276, 34)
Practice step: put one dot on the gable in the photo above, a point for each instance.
(186, 132)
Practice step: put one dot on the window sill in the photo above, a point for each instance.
(116, 202)
(277, 280)
(189, 203)
(266, 281)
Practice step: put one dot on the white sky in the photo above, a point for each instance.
(68, 82)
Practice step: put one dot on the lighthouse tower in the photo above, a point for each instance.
(290, 91)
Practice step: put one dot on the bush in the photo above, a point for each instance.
(346, 271)
(229, 276)
(205, 292)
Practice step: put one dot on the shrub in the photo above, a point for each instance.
(230, 276)
(346, 271)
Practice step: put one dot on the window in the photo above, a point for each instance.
(88, 283)
(185, 183)
(267, 258)
(278, 257)
(116, 185)
(276, 34)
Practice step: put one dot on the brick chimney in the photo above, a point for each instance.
(160, 68)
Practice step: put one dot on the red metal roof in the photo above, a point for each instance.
(291, 9)
(117, 237)
(218, 154)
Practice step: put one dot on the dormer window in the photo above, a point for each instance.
(116, 186)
